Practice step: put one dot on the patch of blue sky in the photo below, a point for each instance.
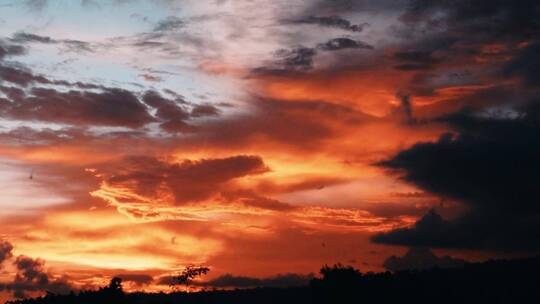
(70, 19)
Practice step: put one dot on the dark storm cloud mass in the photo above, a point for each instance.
(419, 258)
(491, 167)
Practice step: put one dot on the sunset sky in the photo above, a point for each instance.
(262, 138)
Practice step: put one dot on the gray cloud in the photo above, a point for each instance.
(7, 49)
(332, 21)
(69, 44)
(172, 23)
(113, 107)
(343, 43)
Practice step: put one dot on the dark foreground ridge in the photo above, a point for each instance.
(500, 281)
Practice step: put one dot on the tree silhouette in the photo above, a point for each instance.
(188, 274)
(115, 285)
(502, 281)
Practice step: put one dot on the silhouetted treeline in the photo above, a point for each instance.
(502, 281)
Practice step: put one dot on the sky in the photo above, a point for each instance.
(263, 138)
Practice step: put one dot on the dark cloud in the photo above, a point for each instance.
(346, 7)
(31, 277)
(24, 77)
(499, 19)
(298, 123)
(20, 76)
(69, 44)
(204, 110)
(418, 258)
(310, 183)
(10, 50)
(251, 199)
(77, 45)
(166, 280)
(462, 31)
(188, 180)
(172, 112)
(491, 167)
(112, 107)
(5, 251)
(526, 65)
(137, 279)
(397, 209)
(32, 137)
(282, 280)
(343, 43)
(333, 21)
(22, 37)
(457, 37)
(298, 58)
(103, 106)
(416, 60)
(172, 23)
(301, 58)
(166, 109)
